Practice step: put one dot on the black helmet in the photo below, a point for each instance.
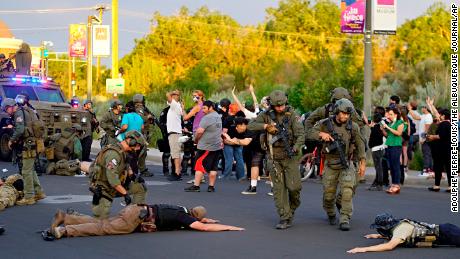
(385, 221)
(22, 99)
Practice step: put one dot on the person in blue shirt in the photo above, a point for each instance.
(130, 121)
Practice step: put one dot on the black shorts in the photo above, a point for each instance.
(207, 161)
(257, 158)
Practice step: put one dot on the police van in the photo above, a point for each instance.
(47, 98)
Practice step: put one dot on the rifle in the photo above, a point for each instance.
(283, 134)
(336, 144)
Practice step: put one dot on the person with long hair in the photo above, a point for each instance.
(393, 129)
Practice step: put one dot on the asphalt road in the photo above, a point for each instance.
(310, 237)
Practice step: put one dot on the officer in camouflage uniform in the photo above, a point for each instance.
(149, 120)
(283, 165)
(111, 177)
(87, 138)
(110, 123)
(326, 111)
(338, 134)
(11, 191)
(28, 133)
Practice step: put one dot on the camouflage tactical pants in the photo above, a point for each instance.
(358, 178)
(32, 185)
(136, 190)
(125, 222)
(345, 179)
(286, 186)
(141, 159)
(7, 196)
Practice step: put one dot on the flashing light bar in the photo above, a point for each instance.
(32, 79)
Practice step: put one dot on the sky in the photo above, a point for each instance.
(133, 18)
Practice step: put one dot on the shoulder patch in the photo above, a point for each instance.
(114, 161)
(19, 119)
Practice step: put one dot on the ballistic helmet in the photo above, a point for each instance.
(115, 103)
(339, 93)
(8, 102)
(385, 221)
(343, 105)
(135, 138)
(277, 98)
(138, 98)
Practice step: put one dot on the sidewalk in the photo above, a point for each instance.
(413, 178)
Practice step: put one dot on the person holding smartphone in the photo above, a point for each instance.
(393, 130)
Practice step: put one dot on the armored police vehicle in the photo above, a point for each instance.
(47, 98)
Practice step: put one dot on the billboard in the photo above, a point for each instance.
(77, 40)
(353, 16)
(384, 16)
(101, 40)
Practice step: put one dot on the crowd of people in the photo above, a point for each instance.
(398, 131)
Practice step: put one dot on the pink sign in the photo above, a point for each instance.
(77, 40)
(353, 16)
(386, 2)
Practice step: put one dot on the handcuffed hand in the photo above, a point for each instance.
(127, 199)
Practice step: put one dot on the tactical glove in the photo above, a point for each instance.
(272, 129)
(127, 199)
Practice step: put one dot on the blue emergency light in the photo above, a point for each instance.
(31, 79)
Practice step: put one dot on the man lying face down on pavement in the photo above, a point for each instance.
(140, 218)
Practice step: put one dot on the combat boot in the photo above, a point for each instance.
(332, 220)
(24, 201)
(344, 226)
(58, 219)
(2, 229)
(146, 173)
(283, 224)
(40, 196)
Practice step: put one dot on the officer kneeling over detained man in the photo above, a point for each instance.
(141, 217)
(284, 137)
(111, 177)
(409, 233)
(338, 134)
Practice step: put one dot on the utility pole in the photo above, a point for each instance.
(368, 58)
(114, 39)
(101, 10)
(89, 57)
(70, 88)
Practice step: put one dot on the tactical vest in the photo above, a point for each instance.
(33, 127)
(64, 147)
(97, 170)
(286, 122)
(424, 234)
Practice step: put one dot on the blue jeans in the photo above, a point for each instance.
(449, 235)
(233, 153)
(394, 155)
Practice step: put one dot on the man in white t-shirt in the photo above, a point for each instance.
(425, 120)
(174, 128)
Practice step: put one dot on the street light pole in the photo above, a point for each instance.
(368, 58)
(114, 38)
(89, 59)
